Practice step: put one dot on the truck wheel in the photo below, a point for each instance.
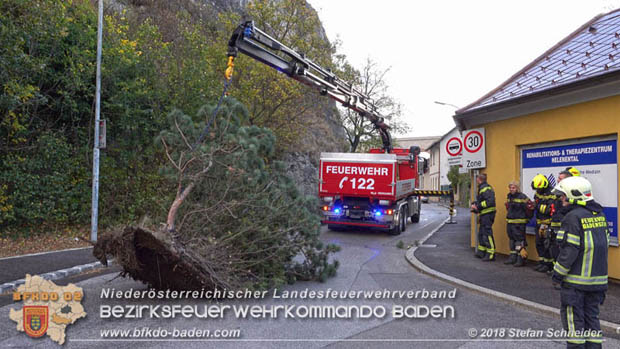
(399, 225)
(415, 218)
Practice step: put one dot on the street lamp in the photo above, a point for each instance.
(448, 104)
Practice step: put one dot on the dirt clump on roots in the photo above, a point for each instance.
(157, 260)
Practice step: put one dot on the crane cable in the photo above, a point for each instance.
(228, 74)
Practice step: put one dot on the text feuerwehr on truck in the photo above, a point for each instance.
(370, 190)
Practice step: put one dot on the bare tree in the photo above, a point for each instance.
(370, 80)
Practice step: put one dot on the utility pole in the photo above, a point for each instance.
(95, 202)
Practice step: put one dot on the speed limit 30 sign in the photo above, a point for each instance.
(474, 149)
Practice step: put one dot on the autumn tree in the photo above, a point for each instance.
(274, 100)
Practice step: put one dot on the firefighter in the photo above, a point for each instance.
(485, 207)
(573, 171)
(581, 269)
(557, 214)
(516, 219)
(543, 206)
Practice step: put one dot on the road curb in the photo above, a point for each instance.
(609, 328)
(53, 275)
(46, 252)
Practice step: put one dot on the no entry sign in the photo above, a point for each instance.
(454, 146)
(454, 149)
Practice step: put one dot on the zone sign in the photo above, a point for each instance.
(474, 144)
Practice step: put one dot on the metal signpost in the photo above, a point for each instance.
(95, 198)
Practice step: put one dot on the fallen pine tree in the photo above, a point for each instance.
(235, 221)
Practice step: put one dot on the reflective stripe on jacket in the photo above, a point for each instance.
(558, 214)
(516, 212)
(485, 201)
(584, 237)
(544, 204)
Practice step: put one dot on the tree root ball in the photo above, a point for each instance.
(157, 260)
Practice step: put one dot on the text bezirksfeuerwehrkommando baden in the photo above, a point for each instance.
(287, 311)
(111, 293)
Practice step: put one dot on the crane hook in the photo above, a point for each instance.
(229, 69)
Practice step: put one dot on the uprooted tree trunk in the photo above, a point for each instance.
(157, 261)
(236, 220)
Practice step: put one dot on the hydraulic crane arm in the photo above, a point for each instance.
(257, 44)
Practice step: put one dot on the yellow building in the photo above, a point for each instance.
(561, 109)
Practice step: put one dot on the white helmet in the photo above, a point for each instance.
(575, 188)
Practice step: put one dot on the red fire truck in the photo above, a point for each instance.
(370, 190)
(377, 189)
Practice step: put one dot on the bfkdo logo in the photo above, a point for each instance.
(47, 308)
(35, 320)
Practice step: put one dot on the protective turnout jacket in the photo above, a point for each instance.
(517, 208)
(485, 201)
(582, 263)
(544, 204)
(558, 213)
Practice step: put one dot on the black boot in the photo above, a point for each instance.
(520, 262)
(479, 254)
(543, 269)
(512, 259)
(549, 269)
(488, 258)
(539, 265)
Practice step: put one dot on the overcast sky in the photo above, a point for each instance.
(450, 51)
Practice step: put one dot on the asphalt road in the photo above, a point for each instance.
(15, 268)
(369, 261)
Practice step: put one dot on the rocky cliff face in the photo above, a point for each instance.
(303, 169)
(323, 134)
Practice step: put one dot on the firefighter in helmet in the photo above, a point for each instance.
(557, 213)
(573, 171)
(485, 207)
(581, 267)
(543, 207)
(516, 219)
